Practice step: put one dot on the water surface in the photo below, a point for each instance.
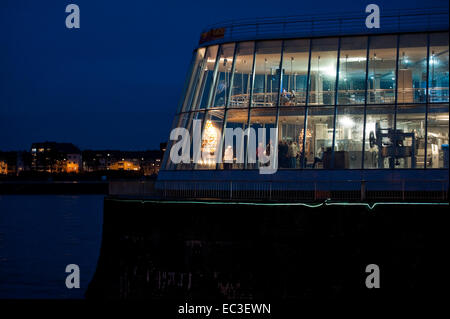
(40, 235)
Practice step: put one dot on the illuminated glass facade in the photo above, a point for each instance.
(350, 102)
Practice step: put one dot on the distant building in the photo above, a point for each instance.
(3, 167)
(146, 162)
(55, 157)
(10, 162)
(23, 162)
(125, 165)
(151, 162)
(73, 163)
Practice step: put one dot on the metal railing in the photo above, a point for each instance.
(288, 191)
(414, 20)
(346, 97)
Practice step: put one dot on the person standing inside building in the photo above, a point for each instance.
(293, 151)
(260, 153)
(319, 157)
(228, 158)
(283, 154)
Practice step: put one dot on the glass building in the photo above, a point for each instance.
(356, 104)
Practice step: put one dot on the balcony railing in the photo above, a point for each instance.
(414, 20)
(288, 191)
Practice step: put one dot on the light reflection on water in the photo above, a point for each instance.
(40, 235)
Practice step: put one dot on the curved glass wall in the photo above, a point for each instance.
(242, 75)
(193, 79)
(360, 102)
(352, 71)
(205, 79)
(223, 81)
(437, 136)
(234, 141)
(260, 142)
(412, 68)
(382, 69)
(349, 136)
(266, 74)
(295, 72)
(323, 67)
(211, 139)
(379, 136)
(291, 123)
(438, 68)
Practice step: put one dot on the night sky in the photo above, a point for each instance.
(115, 82)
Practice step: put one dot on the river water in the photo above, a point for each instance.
(40, 235)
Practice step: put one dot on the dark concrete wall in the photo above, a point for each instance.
(164, 250)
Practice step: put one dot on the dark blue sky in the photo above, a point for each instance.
(116, 81)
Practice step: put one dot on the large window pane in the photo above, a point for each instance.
(167, 162)
(323, 71)
(222, 86)
(295, 72)
(261, 121)
(382, 66)
(183, 122)
(349, 137)
(187, 121)
(410, 149)
(196, 71)
(205, 79)
(290, 137)
(378, 145)
(412, 68)
(319, 137)
(240, 91)
(233, 154)
(267, 73)
(352, 70)
(211, 138)
(438, 67)
(437, 147)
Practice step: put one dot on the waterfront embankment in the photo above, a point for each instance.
(235, 250)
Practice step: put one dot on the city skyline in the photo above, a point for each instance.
(66, 158)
